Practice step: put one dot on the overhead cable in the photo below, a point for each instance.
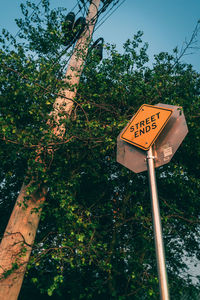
(105, 19)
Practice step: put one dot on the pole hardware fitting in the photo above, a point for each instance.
(150, 157)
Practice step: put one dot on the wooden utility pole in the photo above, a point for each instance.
(19, 236)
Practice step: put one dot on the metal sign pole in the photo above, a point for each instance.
(160, 256)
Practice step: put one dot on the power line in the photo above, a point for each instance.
(105, 7)
(105, 19)
(96, 16)
(82, 7)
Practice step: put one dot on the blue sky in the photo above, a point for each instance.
(166, 24)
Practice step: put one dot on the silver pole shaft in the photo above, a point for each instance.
(160, 255)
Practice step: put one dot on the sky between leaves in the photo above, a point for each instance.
(166, 24)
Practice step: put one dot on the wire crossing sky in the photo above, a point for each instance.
(166, 24)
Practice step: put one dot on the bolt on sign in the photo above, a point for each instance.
(146, 125)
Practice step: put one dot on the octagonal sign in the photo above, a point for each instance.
(165, 145)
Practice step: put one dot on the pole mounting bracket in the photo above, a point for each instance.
(150, 157)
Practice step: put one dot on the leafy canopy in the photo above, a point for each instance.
(95, 238)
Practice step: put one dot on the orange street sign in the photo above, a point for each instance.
(146, 125)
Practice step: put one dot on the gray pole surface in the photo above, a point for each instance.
(160, 255)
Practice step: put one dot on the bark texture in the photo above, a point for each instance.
(17, 242)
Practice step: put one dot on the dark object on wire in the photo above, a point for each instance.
(67, 28)
(72, 30)
(79, 27)
(98, 48)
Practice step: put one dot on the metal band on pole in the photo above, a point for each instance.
(160, 255)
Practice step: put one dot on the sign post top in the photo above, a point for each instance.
(146, 125)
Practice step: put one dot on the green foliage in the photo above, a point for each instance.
(8, 272)
(95, 238)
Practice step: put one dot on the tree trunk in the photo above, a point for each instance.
(17, 242)
(18, 239)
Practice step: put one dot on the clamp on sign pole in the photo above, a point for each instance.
(160, 255)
